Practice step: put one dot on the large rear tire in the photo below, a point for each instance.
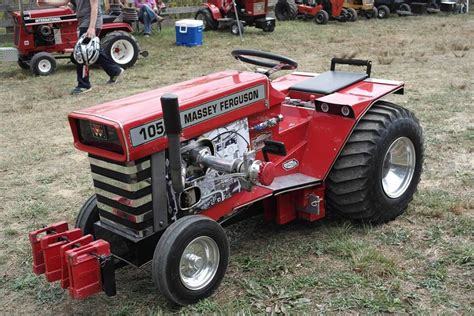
(190, 259)
(379, 168)
(286, 10)
(208, 22)
(121, 47)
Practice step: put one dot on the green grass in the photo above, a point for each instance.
(420, 263)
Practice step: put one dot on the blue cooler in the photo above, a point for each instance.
(188, 32)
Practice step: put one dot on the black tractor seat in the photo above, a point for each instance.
(329, 82)
(108, 18)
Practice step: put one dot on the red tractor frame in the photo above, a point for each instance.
(41, 36)
(235, 15)
(172, 166)
(321, 11)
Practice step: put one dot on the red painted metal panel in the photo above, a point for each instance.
(35, 239)
(84, 268)
(62, 253)
(51, 245)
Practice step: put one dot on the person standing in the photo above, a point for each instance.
(147, 14)
(89, 21)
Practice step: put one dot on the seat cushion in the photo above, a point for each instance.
(329, 82)
(108, 18)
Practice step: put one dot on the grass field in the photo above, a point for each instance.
(420, 263)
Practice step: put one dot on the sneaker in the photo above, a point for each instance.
(114, 79)
(80, 90)
(147, 35)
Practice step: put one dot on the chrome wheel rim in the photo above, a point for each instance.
(398, 167)
(44, 66)
(199, 263)
(122, 52)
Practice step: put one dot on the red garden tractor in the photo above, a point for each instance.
(44, 35)
(320, 10)
(235, 14)
(172, 166)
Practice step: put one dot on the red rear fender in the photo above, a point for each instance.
(120, 26)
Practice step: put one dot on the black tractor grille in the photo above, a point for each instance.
(124, 195)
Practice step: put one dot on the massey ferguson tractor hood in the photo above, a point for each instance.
(135, 124)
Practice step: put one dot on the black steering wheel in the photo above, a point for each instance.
(280, 62)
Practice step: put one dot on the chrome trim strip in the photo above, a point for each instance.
(306, 74)
(132, 187)
(123, 200)
(384, 81)
(126, 230)
(130, 169)
(298, 188)
(129, 217)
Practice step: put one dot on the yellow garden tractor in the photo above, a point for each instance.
(362, 7)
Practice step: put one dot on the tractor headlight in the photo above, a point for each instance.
(324, 107)
(345, 110)
(336, 109)
(99, 135)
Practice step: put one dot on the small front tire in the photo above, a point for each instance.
(43, 64)
(23, 63)
(88, 215)
(190, 259)
(352, 14)
(235, 26)
(322, 17)
(383, 12)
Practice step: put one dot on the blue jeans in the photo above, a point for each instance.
(109, 66)
(147, 17)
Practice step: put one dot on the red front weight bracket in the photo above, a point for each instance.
(50, 245)
(38, 258)
(62, 254)
(86, 266)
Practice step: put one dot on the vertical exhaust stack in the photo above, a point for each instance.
(172, 120)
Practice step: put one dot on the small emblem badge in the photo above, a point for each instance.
(98, 131)
(290, 164)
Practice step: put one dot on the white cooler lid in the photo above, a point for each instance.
(188, 23)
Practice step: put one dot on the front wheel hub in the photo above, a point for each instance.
(199, 263)
(398, 167)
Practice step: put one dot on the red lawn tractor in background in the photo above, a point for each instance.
(321, 11)
(235, 15)
(41, 36)
(172, 166)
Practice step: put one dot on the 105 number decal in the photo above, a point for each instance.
(148, 132)
(152, 131)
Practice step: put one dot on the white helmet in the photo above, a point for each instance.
(87, 50)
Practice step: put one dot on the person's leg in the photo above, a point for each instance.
(83, 70)
(110, 67)
(149, 17)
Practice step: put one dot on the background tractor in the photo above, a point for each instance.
(321, 11)
(386, 7)
(235, 15)
(361, 7)
(44, 35)
(172, 166)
